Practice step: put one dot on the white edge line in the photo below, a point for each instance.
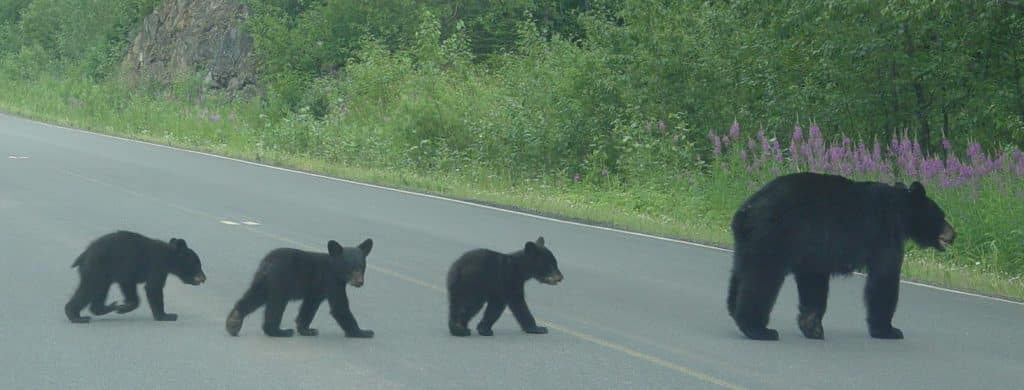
(472, 204)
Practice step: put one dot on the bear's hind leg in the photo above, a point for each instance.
(495, 306)
(734, 283)
(461, 309)
(253, 298)
(755, 297)
(306, 313)
(813, 289)
(78, 301)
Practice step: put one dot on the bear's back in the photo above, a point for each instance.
(475, 266)
(121, 249)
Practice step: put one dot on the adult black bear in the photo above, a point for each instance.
(287, 274)
(483, 275)
(129, 258)
(816, 226)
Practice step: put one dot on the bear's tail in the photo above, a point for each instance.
(740, 227)
(78, 260)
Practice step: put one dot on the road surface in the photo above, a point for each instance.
(633, 312)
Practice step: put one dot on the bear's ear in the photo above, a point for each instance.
(917, 189)
(540, 241)
(366, 246)
(333, 248)
(177, 244)
(530, 248)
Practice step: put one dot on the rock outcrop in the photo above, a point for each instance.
(189, 37)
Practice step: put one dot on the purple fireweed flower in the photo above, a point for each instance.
(952, 163)
(905, 145)
(945, 181)
(967, 172)
(766, 147)
(974, 149)
(931, 167)
(743, 155)
(798, 134)
(716, 142)
(808, 154)
(734, 130)
(946, 145)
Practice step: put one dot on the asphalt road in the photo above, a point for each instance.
(633, 311)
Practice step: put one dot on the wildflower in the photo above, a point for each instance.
(973, 150)
(814, 133)
(734, 130)
(716, 142)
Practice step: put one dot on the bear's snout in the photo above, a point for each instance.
(946, 237)
(356, 280)
(553, 279)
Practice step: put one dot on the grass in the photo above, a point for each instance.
(695, 209)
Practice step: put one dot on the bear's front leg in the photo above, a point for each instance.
(131, 298)
(495, 305)
(881, 294)
(155, 296)
(338, 300)
(517, 304)
(272, 313)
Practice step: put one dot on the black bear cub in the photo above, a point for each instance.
(129, 258)
(817, 225)
(287, 274)
(483, 275)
